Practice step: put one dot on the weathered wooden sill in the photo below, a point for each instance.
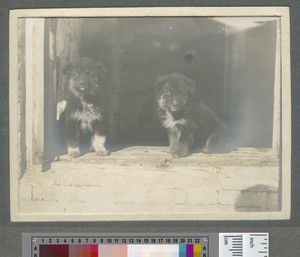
(158, 157)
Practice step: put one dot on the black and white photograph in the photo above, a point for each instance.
(150, 114)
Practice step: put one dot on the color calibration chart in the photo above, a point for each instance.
(138, 245)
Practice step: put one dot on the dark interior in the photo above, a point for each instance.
(233, 70)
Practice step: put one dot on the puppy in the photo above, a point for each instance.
(83, 108)
(188, 121)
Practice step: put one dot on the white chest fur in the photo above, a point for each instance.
(168, 121)
(87, 116)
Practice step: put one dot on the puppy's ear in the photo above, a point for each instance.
(192, 85)
(161, 80)
(101, 69)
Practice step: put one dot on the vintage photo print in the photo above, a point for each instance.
(150, 114)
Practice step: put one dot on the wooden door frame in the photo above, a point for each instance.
(34, 92)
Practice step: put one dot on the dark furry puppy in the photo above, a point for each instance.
(83, 111)
(188, 121)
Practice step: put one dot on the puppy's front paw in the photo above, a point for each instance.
(98, 144)
(73, 152)
(102, 153)
(179, 155)
(179, 150)
(206, 150)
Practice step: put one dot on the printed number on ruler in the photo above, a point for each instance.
(243, 245)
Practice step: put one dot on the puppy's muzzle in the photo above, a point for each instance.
(82, 86)
(175, 105)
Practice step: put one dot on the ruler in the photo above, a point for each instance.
(145, 245)
(243, 245)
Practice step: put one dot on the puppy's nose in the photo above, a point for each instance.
(82, 85)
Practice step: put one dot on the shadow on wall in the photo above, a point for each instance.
(259, 198)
